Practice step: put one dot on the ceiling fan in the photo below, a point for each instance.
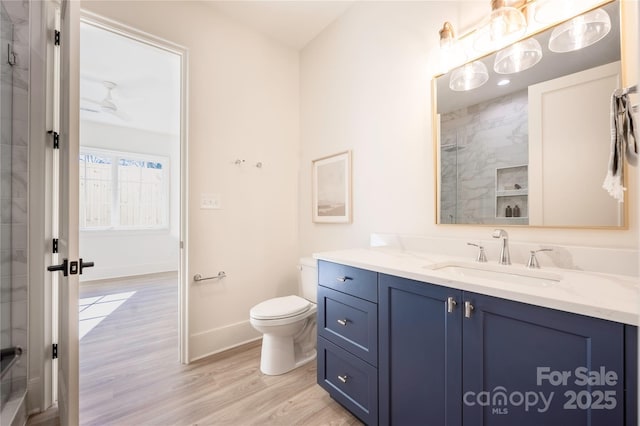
(107, 104)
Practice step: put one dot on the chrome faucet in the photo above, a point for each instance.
(505, 259)
(482, 257)
(533, 262)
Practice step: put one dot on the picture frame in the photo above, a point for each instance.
(331, 197)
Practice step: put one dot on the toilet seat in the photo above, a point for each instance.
(280, 307)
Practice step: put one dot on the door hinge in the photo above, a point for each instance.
(56, 139)
(56, 38)
(54, 246)
(54, 351)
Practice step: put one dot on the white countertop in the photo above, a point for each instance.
(605, 296)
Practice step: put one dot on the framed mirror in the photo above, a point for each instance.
(532, 147)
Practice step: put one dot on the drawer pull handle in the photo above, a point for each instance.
(343, 322)
(343, 379)
(451, 304)
(343, 279)
(468, 308)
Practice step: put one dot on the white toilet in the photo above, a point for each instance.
(289, 324)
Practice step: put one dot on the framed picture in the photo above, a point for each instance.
(332, 188)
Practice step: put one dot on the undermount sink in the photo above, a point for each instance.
(506, 274)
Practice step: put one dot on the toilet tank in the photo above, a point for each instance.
(308, 278)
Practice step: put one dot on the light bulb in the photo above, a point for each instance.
(580, 32)
(469, 76)
(518, 57)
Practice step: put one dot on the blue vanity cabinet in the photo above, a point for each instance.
(449, 357)
(631, 375)
(420, 357)
(529, 365)
(489, 361)
(348, 338)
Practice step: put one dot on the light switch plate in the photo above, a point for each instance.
(210, 201)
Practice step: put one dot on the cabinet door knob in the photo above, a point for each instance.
(343, 379)
(343, 322)
(468, 308)
(343, 279)
(451, 304)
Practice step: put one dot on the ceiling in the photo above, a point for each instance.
(147, 79)
(292, 23)
(147, 82)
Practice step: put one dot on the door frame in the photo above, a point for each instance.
(42, 317)
(166, 45)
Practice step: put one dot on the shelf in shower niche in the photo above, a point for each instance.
(512, 193)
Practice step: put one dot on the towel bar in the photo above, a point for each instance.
(199, 277)
(8, 357)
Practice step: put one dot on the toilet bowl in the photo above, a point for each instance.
(288, 325)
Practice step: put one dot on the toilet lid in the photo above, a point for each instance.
(280, 307)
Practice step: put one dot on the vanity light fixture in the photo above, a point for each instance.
(451, 51)
(505, 25)
(469, 76)
(580, 32)
(512, 20)
(518, 57)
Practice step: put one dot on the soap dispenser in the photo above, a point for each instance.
(516, 211)
(508, 212)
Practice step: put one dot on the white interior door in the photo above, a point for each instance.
(65, 206)
(566, 122)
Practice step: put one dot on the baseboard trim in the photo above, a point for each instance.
(35, 399)
(211, 342)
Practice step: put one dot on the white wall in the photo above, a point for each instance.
(362, 84)
(243, 104)
(125, 253)
(365, 86)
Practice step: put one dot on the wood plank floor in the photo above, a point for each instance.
(130, 372)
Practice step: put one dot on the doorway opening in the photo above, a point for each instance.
(132, 216)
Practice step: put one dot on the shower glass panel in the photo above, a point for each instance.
(13, 291)
(6, 101)
(449, 152)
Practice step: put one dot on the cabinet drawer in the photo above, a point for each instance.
(349, 322)
(350, 280)
(349, 380)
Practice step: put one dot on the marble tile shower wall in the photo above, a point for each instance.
(475, 141)
(14, 182)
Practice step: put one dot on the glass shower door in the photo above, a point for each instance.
(6, 103)
(13, 195)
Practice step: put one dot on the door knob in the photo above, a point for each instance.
(71, 268)
(85, 265)
(64, 267)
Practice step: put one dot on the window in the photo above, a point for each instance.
(120, 190)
